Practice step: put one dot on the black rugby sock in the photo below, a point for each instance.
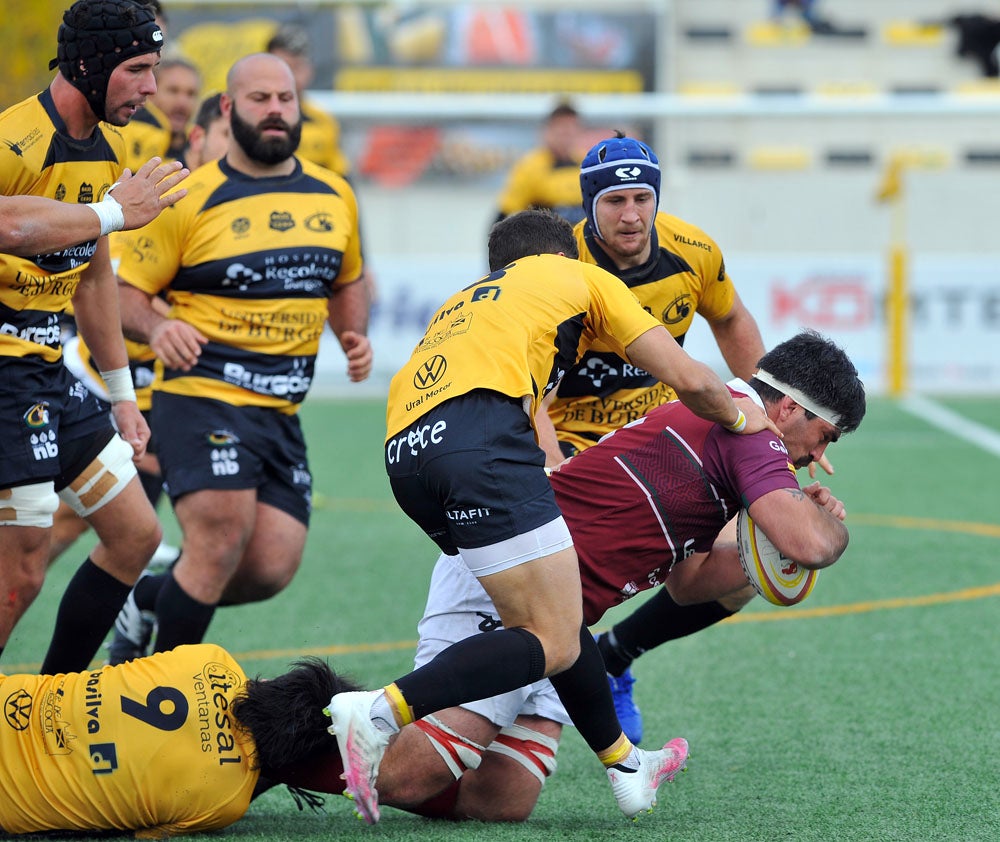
(656, 621)
(585, 693)
(87, 611)
(181, 618)
(147, 591)
(474, 668)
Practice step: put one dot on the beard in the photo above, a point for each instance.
(265, 150)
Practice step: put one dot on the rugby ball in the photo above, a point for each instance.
(778, 579)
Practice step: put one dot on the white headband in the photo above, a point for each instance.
(800, 398)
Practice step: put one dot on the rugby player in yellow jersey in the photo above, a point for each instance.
(64, 145)
(675, 270)
(207, 141)
(464, 464)
(259, 256)
(549, 176)
(171, 744)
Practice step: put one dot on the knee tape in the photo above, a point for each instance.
(102, 480)
(28, 505)
(533, 750)
(457, 752)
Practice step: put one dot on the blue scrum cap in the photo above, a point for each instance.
(618, 163)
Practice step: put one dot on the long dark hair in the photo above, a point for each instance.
(284, 715)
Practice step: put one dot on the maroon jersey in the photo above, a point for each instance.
(657, 491)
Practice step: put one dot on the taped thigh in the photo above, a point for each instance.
(102, 480)
(535, 751)
(28, 505)
(458, 752)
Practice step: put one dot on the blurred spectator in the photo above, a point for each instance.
(209, 136)
(978, 39)
(178, 87)
(549, 176)
(320, 131)
(805, 10)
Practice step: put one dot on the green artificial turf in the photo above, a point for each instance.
(869, 712)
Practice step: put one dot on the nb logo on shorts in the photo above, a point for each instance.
(43, 446)
(225, 462)
(430, 372)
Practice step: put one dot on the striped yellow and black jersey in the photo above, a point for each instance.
(148, 746)
(684, 275)
(146, 134)
(39, 158)
(539, 180)
(251, 263)
(514, 332)
(321, 140)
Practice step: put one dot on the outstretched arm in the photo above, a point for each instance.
(31, 225)
(698, 387)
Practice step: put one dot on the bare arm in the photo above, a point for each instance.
(348, 310)
(706, 577)
(738, 338)
(548, 440)
(806, 525)
(95, 305)
(698, 387)
(176, 343)
(31, 225)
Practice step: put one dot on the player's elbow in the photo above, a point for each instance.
(15, 234)
(821, 550)
(696, 383)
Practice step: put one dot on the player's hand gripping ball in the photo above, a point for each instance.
(776, 578)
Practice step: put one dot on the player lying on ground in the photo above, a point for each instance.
(172, 743)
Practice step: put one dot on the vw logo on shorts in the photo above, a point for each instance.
(430, 372)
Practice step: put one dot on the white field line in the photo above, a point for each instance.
(953, 423)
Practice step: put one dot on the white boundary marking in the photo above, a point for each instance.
(951, 422)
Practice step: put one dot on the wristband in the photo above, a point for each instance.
(739, 424)
(119, 383)
(110, 213)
